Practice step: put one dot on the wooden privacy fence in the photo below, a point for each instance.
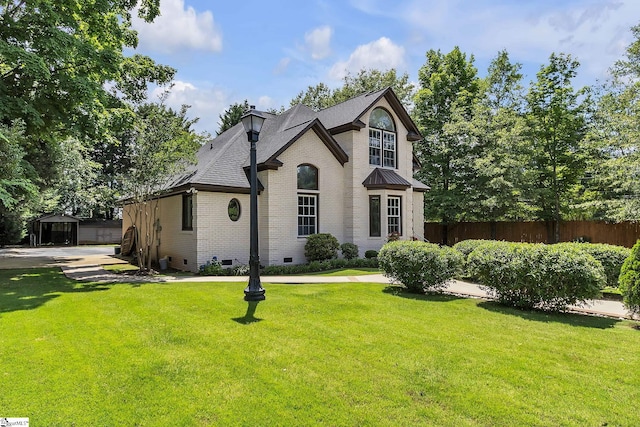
(621, 234)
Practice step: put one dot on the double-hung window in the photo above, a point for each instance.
(307, 200)
(394, 214)
(382, 139)
(307, 214)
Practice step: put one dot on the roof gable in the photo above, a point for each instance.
(221, 162)
(348, 114)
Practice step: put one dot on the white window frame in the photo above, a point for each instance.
(389, 149)
(307, 214)
(394, 214)
(375, 147)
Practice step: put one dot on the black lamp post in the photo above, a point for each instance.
(252, 122)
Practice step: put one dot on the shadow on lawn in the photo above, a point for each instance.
(249, 316)
(30, 288)
(399, 291)
(573, 319)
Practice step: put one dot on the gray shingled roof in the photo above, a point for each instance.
(221, 162)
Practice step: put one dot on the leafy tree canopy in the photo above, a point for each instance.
(321, 96)
(232, 116)
(57, 58)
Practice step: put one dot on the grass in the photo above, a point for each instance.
(120, 268)
(612, 294)
(345, 272)
(194, 354)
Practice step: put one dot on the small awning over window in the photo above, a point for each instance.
(387, 179)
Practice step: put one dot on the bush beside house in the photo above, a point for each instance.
(419, 266)
(349, 250)
(321, 247)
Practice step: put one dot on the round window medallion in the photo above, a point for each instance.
(234, 210)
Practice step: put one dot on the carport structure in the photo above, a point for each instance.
(56, 229)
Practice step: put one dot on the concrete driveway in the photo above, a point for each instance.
(57, 256)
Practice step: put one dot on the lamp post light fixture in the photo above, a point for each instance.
(252, 121)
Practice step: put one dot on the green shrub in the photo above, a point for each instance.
(212, 268)
(546, 277)
(371, 254)
(319, 266)
(238, 270)
(349, 250)
(320, 247)
(465, 247)
(11, 227)
(630, 280)
(419, 266)
(394, 236)
(610, 256)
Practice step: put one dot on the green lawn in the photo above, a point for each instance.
(339, 354)
(364, 271)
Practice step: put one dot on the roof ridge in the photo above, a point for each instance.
(361, 95)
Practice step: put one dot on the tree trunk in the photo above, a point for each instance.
(445, 233)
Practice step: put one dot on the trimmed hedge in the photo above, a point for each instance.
(321, 247)
(371, 254)
(465, 247)
(349, 250)
(318, 266)
(419, 266)
(547, 277)
(630, 280)
(283, 270)
(610, 256)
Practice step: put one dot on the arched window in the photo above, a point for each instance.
(307, 177)
(307, 200)
(382, 139)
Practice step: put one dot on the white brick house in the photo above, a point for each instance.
(345, 170)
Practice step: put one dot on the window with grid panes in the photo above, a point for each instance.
(394, 215)
(382, 139)
(307, 214)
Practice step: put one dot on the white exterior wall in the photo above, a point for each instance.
(218, 235)
(356, 144)
(418, 215)
(176, 244)
(171, 240)
(279, 202)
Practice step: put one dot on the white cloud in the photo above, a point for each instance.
(318, 42)
(179, 28)
(594, 32)
(282, 65)
(264, 103)
(207, 103)
(381, 54)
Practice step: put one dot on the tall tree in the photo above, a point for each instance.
(321, 96)
(63, 69)
(161, 145)
(16, 188)
(445, 100)
(499, 125)
(557, 124)
(315, 97)
(232, 116)
(613, 190)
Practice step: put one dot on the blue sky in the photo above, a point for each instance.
(267, 52)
